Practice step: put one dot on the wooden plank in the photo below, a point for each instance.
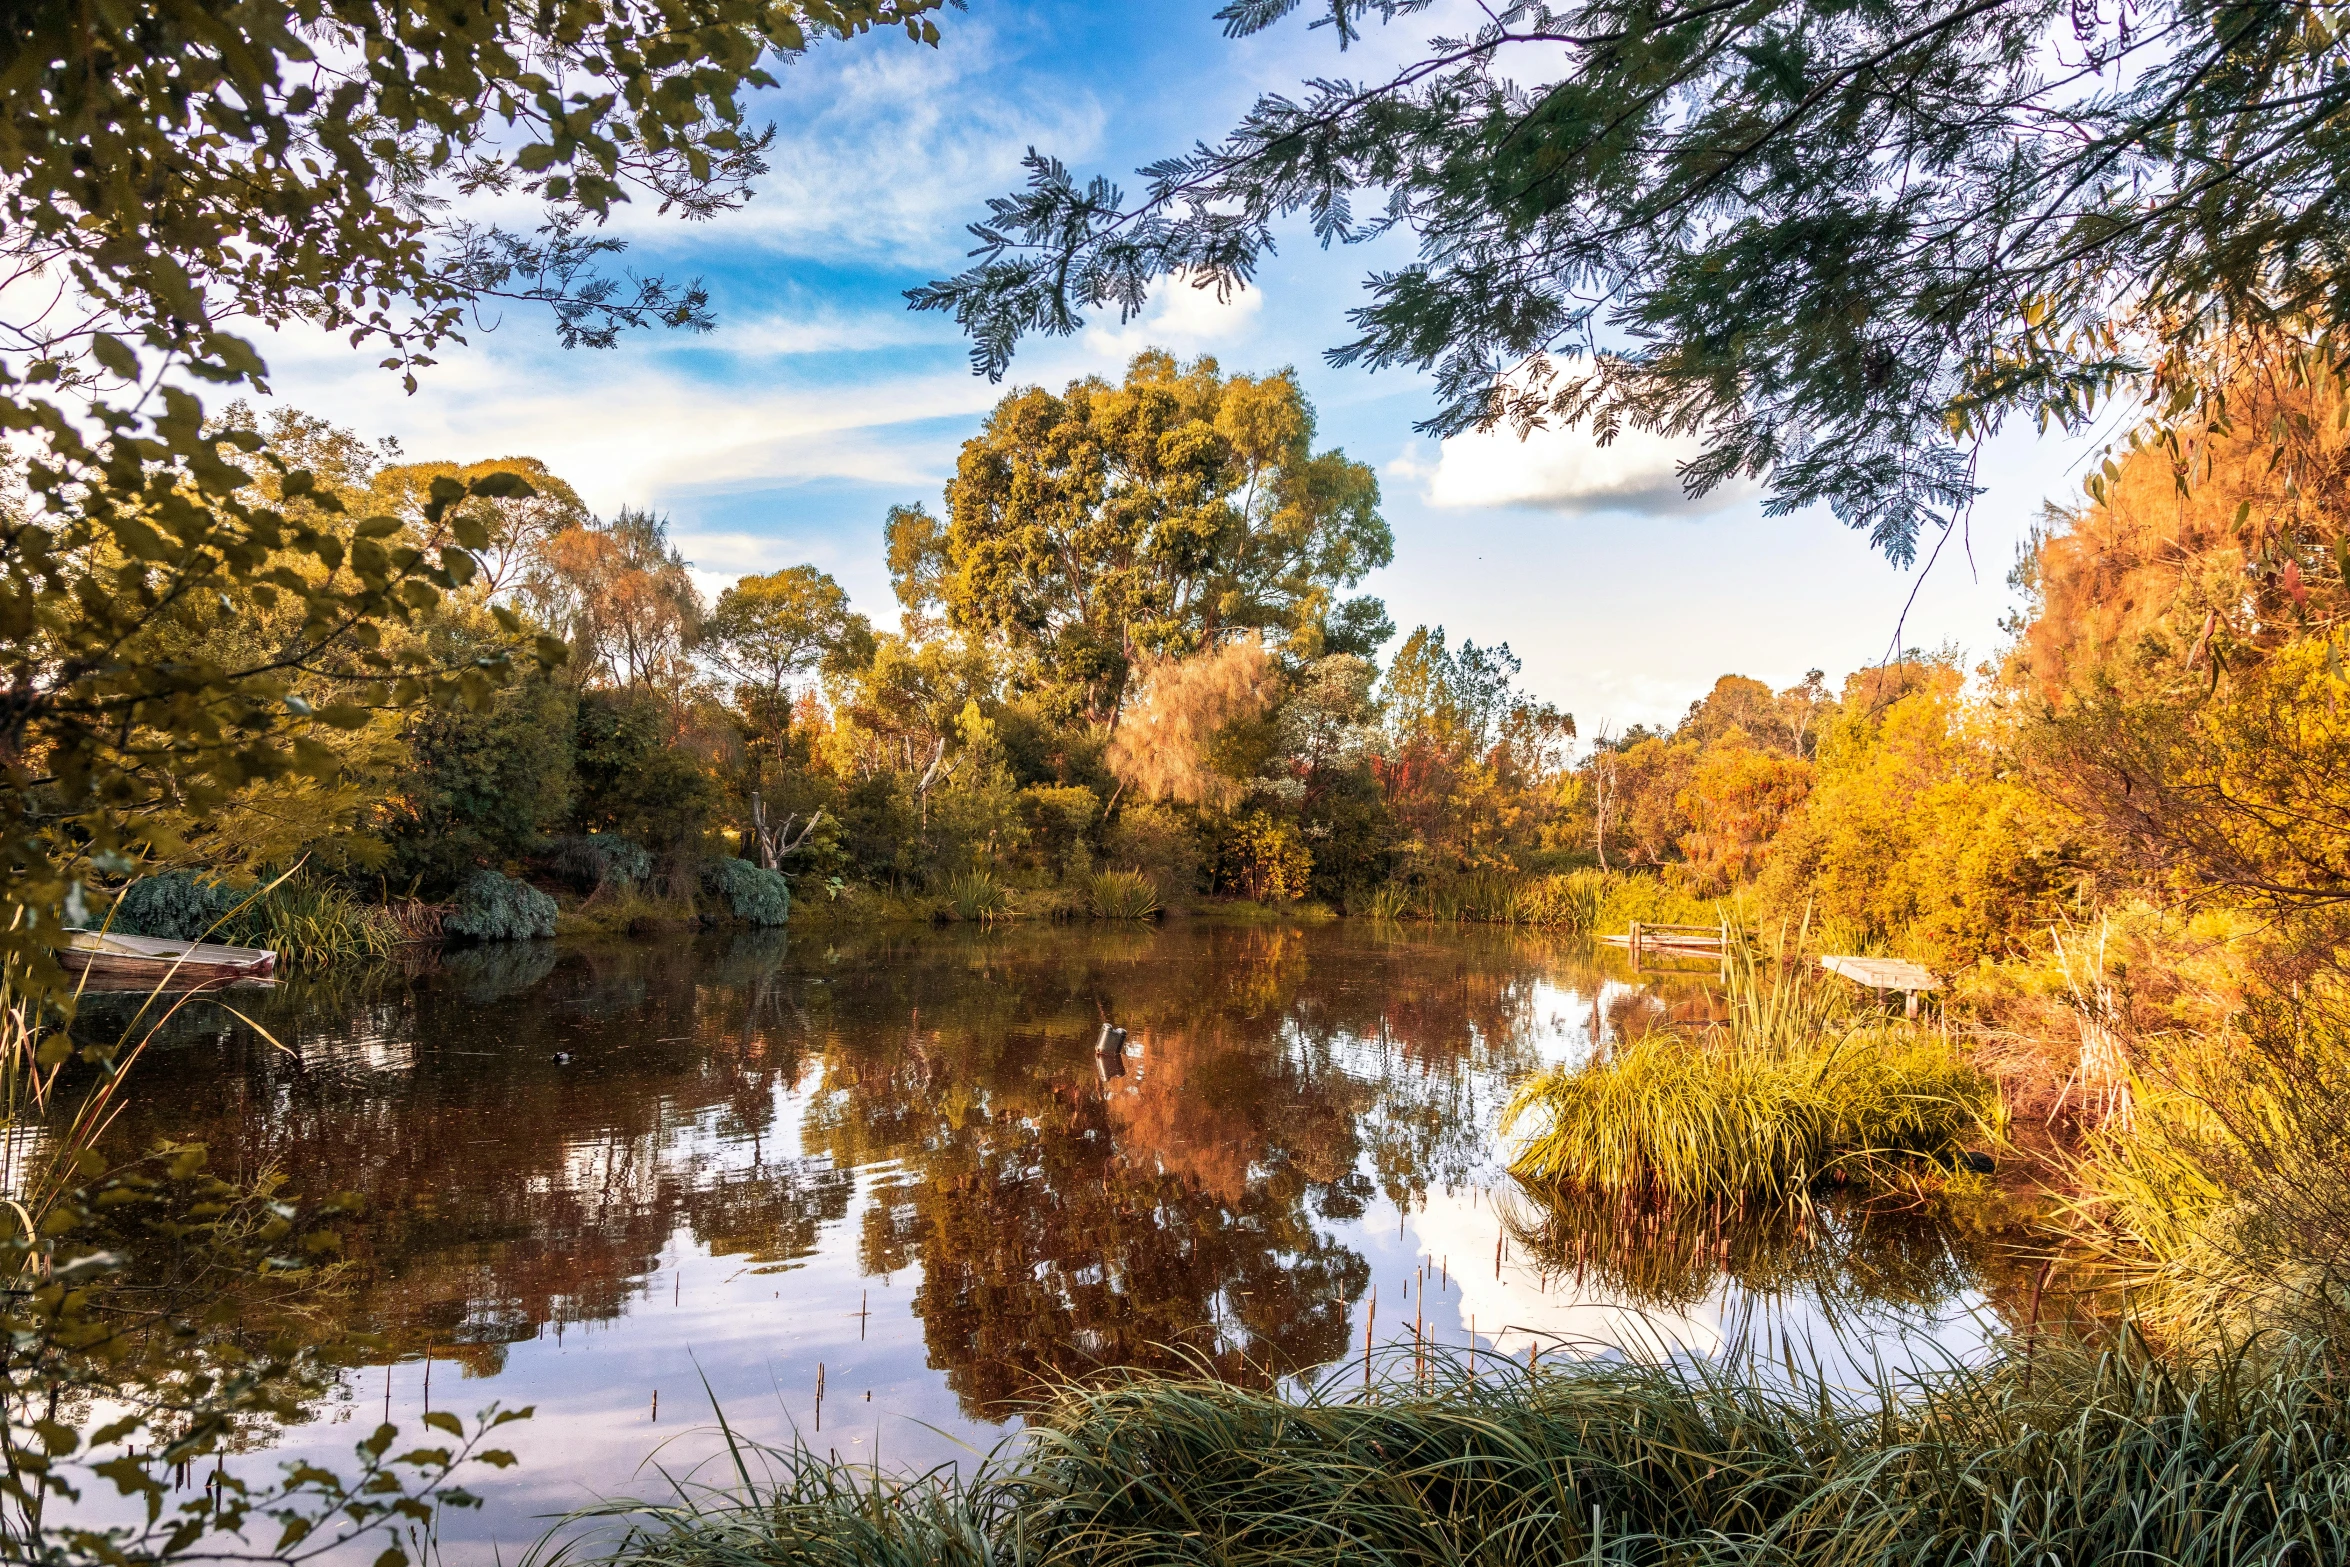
(1883, 973)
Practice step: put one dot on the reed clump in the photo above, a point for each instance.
(1684, 1123)
(2066, 1456)
(2221, 1202)
(1790, 1089)
(1122, 895)
(976, 895)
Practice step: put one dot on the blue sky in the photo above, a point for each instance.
(820, 401)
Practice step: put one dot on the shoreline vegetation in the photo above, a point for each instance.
(2063, 1452)
(1131, 672)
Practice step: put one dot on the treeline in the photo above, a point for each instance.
(1127, 646)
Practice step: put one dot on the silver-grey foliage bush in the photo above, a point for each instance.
(491, 907)
(750, 892)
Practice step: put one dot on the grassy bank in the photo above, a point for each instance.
(2063, 1456)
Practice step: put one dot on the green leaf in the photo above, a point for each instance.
(111, 352)
(503, 486)
(442, 1420)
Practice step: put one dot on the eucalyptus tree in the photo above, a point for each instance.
(1839, 240)
(1088, 529)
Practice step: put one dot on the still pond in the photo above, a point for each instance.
(866, 1191)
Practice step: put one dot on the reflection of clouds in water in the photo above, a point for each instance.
(1819, 1322)
(1515, 1307)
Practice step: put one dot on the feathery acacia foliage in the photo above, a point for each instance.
(1838, 242)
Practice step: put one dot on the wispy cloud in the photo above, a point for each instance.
(884, 149)
(1181, 317)
(1567, 471)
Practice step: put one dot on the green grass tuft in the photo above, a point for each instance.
(976, 895)
(1788, 1091)
(1122, 895)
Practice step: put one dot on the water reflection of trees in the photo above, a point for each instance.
(1839, 1255)
(1282, 1079)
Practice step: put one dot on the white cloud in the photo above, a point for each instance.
(1179, 317)
(717, 560)
(887, 148)
(1567, 471)
(631, 427)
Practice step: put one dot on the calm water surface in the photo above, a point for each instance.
(887, 1167)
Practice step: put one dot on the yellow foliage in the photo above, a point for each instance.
(1916, 832)
(1736, 800)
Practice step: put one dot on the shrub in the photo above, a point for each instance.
(1159, 841)
(631, 780)
(173, 904)
(480, 786)
(1264, 860)
(491, 907)
(1122, 895)
(590, 861)
(751, 893)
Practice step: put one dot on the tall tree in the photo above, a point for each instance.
(1156, 517)
(1840, 242)
(620, 594)
(768, 630)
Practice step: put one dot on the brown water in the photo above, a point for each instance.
(888, 1165)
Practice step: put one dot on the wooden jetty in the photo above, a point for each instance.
(108, 961)
(1887, 974)
(1645, 940)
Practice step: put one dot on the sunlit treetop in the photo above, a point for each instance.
(1841, 240)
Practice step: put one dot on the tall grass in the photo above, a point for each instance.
(1121, 895)
(976, 895)
(1684, 1123)
(308, 923)
(2069, 1457)
(1788, 1091)
(2222, 1203)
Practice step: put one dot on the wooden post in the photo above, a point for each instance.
(1635, 943)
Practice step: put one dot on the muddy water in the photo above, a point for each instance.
(623, 1183)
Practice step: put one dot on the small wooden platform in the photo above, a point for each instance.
(1647, 942)
(1911, 979)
